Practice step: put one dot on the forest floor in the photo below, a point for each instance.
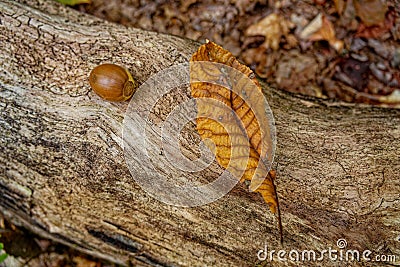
(342, 49)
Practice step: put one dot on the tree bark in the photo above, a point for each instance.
(63, 174)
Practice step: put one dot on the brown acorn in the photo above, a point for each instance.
(112, 82)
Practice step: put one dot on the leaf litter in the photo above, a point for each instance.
(264, 34)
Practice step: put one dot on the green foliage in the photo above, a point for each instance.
(4, 255)
(74, 2)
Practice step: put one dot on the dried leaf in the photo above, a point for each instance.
(349, 94)
(371, 12)
(373, 32)
(239, 136)
(297, 72)
(81, 261)
(384, 75)
(320, 28)
(393, 98)
(377, 31)
(347, 18)
(312, 27)
(353, 72)
(273, 27)
(320, 2)
(339, 5)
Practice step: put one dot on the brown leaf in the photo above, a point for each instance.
(353, 72)
(347, 18)
(371, 12)
(241, 137)
(376, 31)
(320, 28)
(81, 261)
(339, 5)
(392, 99)
(273, 27)
(297, 72)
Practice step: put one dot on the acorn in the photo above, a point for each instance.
(112, 82)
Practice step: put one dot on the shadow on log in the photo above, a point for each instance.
(64, 177)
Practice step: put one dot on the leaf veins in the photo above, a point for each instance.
(228, 126)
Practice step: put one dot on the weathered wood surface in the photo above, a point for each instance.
(63, 174)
